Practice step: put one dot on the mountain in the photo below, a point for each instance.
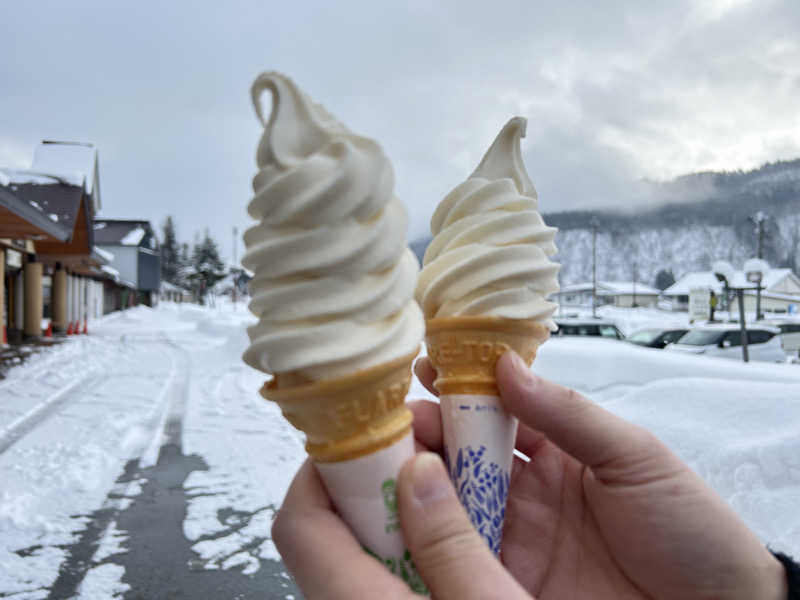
(688, 223)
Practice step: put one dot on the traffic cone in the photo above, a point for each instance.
(49, 332)
(69, 328)
(85, 327)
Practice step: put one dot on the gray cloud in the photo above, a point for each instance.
(614, 92)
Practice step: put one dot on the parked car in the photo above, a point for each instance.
(725, 341)
(790, 333)
(589, 327)
(656, 338)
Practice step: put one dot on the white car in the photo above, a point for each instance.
(725, 341)
(790, 333)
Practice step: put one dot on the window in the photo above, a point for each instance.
(609, 331)
(644, 336)
(673, 336)
(701, 337)
(758, 337)
(734, 337)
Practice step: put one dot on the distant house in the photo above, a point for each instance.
(781, 290)
(624, 294)
(136, 254)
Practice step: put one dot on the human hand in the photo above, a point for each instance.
(605, 510)
(328, 562)
(602, 510)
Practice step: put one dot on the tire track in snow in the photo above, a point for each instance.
(26, 423)
(80, 555)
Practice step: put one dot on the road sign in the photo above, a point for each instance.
(699, 304)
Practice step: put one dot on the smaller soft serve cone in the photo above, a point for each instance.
(337, 325)
(483, 289)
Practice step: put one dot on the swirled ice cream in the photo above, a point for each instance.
(491, 248)
(334, 281)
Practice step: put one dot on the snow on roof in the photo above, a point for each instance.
(133, 237)
(707, 279)
(126, 232)
(109, 256)
(11, 177)
(610, 288)
(71, 158)
(774, 295)
(627, 287)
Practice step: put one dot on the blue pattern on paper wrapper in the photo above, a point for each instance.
(483, 489)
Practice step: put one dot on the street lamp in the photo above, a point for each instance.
(723, 271)
(756, 270)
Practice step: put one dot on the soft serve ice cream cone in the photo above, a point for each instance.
(333, 290)
(483, 288)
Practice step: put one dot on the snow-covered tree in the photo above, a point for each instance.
(664, 279)
(170, 257)
(207, 267)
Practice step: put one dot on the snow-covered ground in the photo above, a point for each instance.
(81, 427)
(154, 415)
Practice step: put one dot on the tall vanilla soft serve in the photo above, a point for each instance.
(334, 280)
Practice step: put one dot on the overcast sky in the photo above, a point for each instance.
(613, 91)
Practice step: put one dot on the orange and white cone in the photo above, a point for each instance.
(479, 434)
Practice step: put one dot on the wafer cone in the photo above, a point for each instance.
(479, 434)
(465, 350)
(358, 432)
(350, 416)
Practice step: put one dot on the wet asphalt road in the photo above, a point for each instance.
(158, 560)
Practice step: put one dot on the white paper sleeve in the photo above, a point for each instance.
(364, 492)
(479, 437)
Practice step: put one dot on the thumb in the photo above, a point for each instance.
(449, 554)
(613, 448)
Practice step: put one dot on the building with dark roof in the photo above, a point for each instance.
(136, 253)
(49, 264)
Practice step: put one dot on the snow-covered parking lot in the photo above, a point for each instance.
(140, 460)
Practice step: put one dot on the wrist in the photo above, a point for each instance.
(776, 585)
(791, 574)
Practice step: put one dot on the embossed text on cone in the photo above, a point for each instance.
(349, 416)
(479, 434)
(465, 350)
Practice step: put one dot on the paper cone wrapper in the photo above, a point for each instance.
(479, 434)
(358, 432)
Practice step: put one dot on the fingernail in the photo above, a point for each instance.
(430, 478)
(522, 371)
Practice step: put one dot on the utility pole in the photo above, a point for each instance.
(594, 267)
(742, 325)
(234, 278)
(758, 220)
